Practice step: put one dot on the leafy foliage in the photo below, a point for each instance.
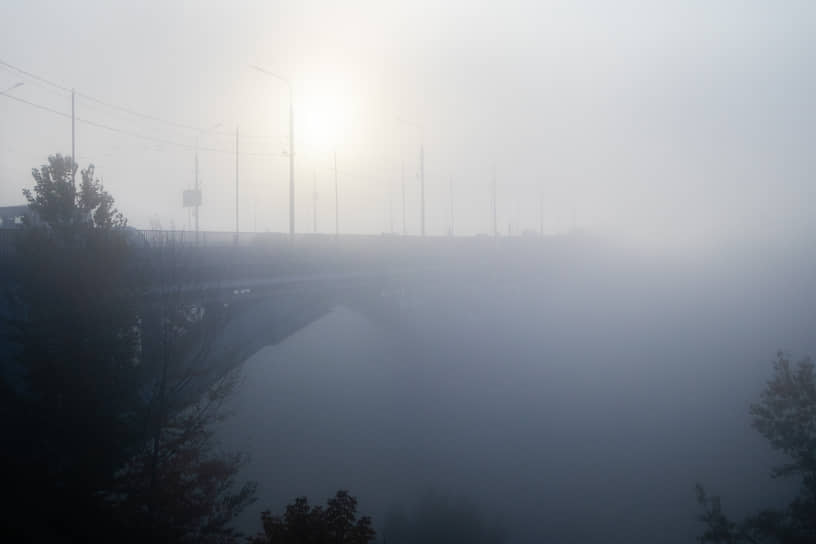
(99, 442)
(59, 205)
(54, 198)
(786, 417)
(305, 524)
(70, 418)
(718, 527)
(178, 489)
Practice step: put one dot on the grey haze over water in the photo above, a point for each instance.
(577, 400)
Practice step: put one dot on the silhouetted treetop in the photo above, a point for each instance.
(100, 441)
(59, 203)
(786, 417)
(305, 524)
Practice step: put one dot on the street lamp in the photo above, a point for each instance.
(421, 174)
(197, 203)
(291, 149)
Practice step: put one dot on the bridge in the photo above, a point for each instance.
(257, 292)
(245, 294)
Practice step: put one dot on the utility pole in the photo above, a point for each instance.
(422, 183)
(73, 139)
(236, 187)
(495, 223)
(404, 230)
(291, 166)
(197, 190)
(336, 201)
(451, 207)
(197, 194)
(291, 149)
(391, 208)
(421, 177)
(314, 202)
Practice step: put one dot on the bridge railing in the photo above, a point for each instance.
(274, 241)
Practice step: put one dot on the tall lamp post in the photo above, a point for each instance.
(421, 174)
(291, 149)
(198, 200)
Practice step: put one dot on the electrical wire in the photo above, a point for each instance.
(34, 76)
(137, 114)
(135, 134)
(122, 109)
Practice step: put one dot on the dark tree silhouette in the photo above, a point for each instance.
(301, 523)
(99, 441)
(786, 417)
(70, 415)
(60, 204)
(177, 488)
(54, 198)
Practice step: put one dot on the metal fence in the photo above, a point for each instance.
(9, 238)
(187, 238)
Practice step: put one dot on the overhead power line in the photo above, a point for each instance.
(131, 133)
(137, 114)
(34, 76)
(123, 109)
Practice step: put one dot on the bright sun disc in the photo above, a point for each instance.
(323, 110)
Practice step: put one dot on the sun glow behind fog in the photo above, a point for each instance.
(325, 108)
(673, 125)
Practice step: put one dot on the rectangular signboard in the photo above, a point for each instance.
(191, 198)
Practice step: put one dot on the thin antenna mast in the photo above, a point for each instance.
(336, 200)
(236, 187)
(495, 222)
(404, 230)
(314, 202)
(73, 140)
(422, 183)
(451, 207)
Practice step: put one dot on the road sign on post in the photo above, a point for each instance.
(191, 198)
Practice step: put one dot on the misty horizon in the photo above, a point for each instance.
(412, 272)
(664, 125)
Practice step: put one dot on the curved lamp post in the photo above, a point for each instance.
(291, 152)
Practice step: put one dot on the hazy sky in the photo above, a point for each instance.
(673, 122)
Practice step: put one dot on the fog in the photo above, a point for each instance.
(681, 123)
(575, 395)
(625, 189)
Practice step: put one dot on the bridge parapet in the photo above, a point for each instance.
(218, 256)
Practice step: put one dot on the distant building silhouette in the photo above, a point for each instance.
(14, 217)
